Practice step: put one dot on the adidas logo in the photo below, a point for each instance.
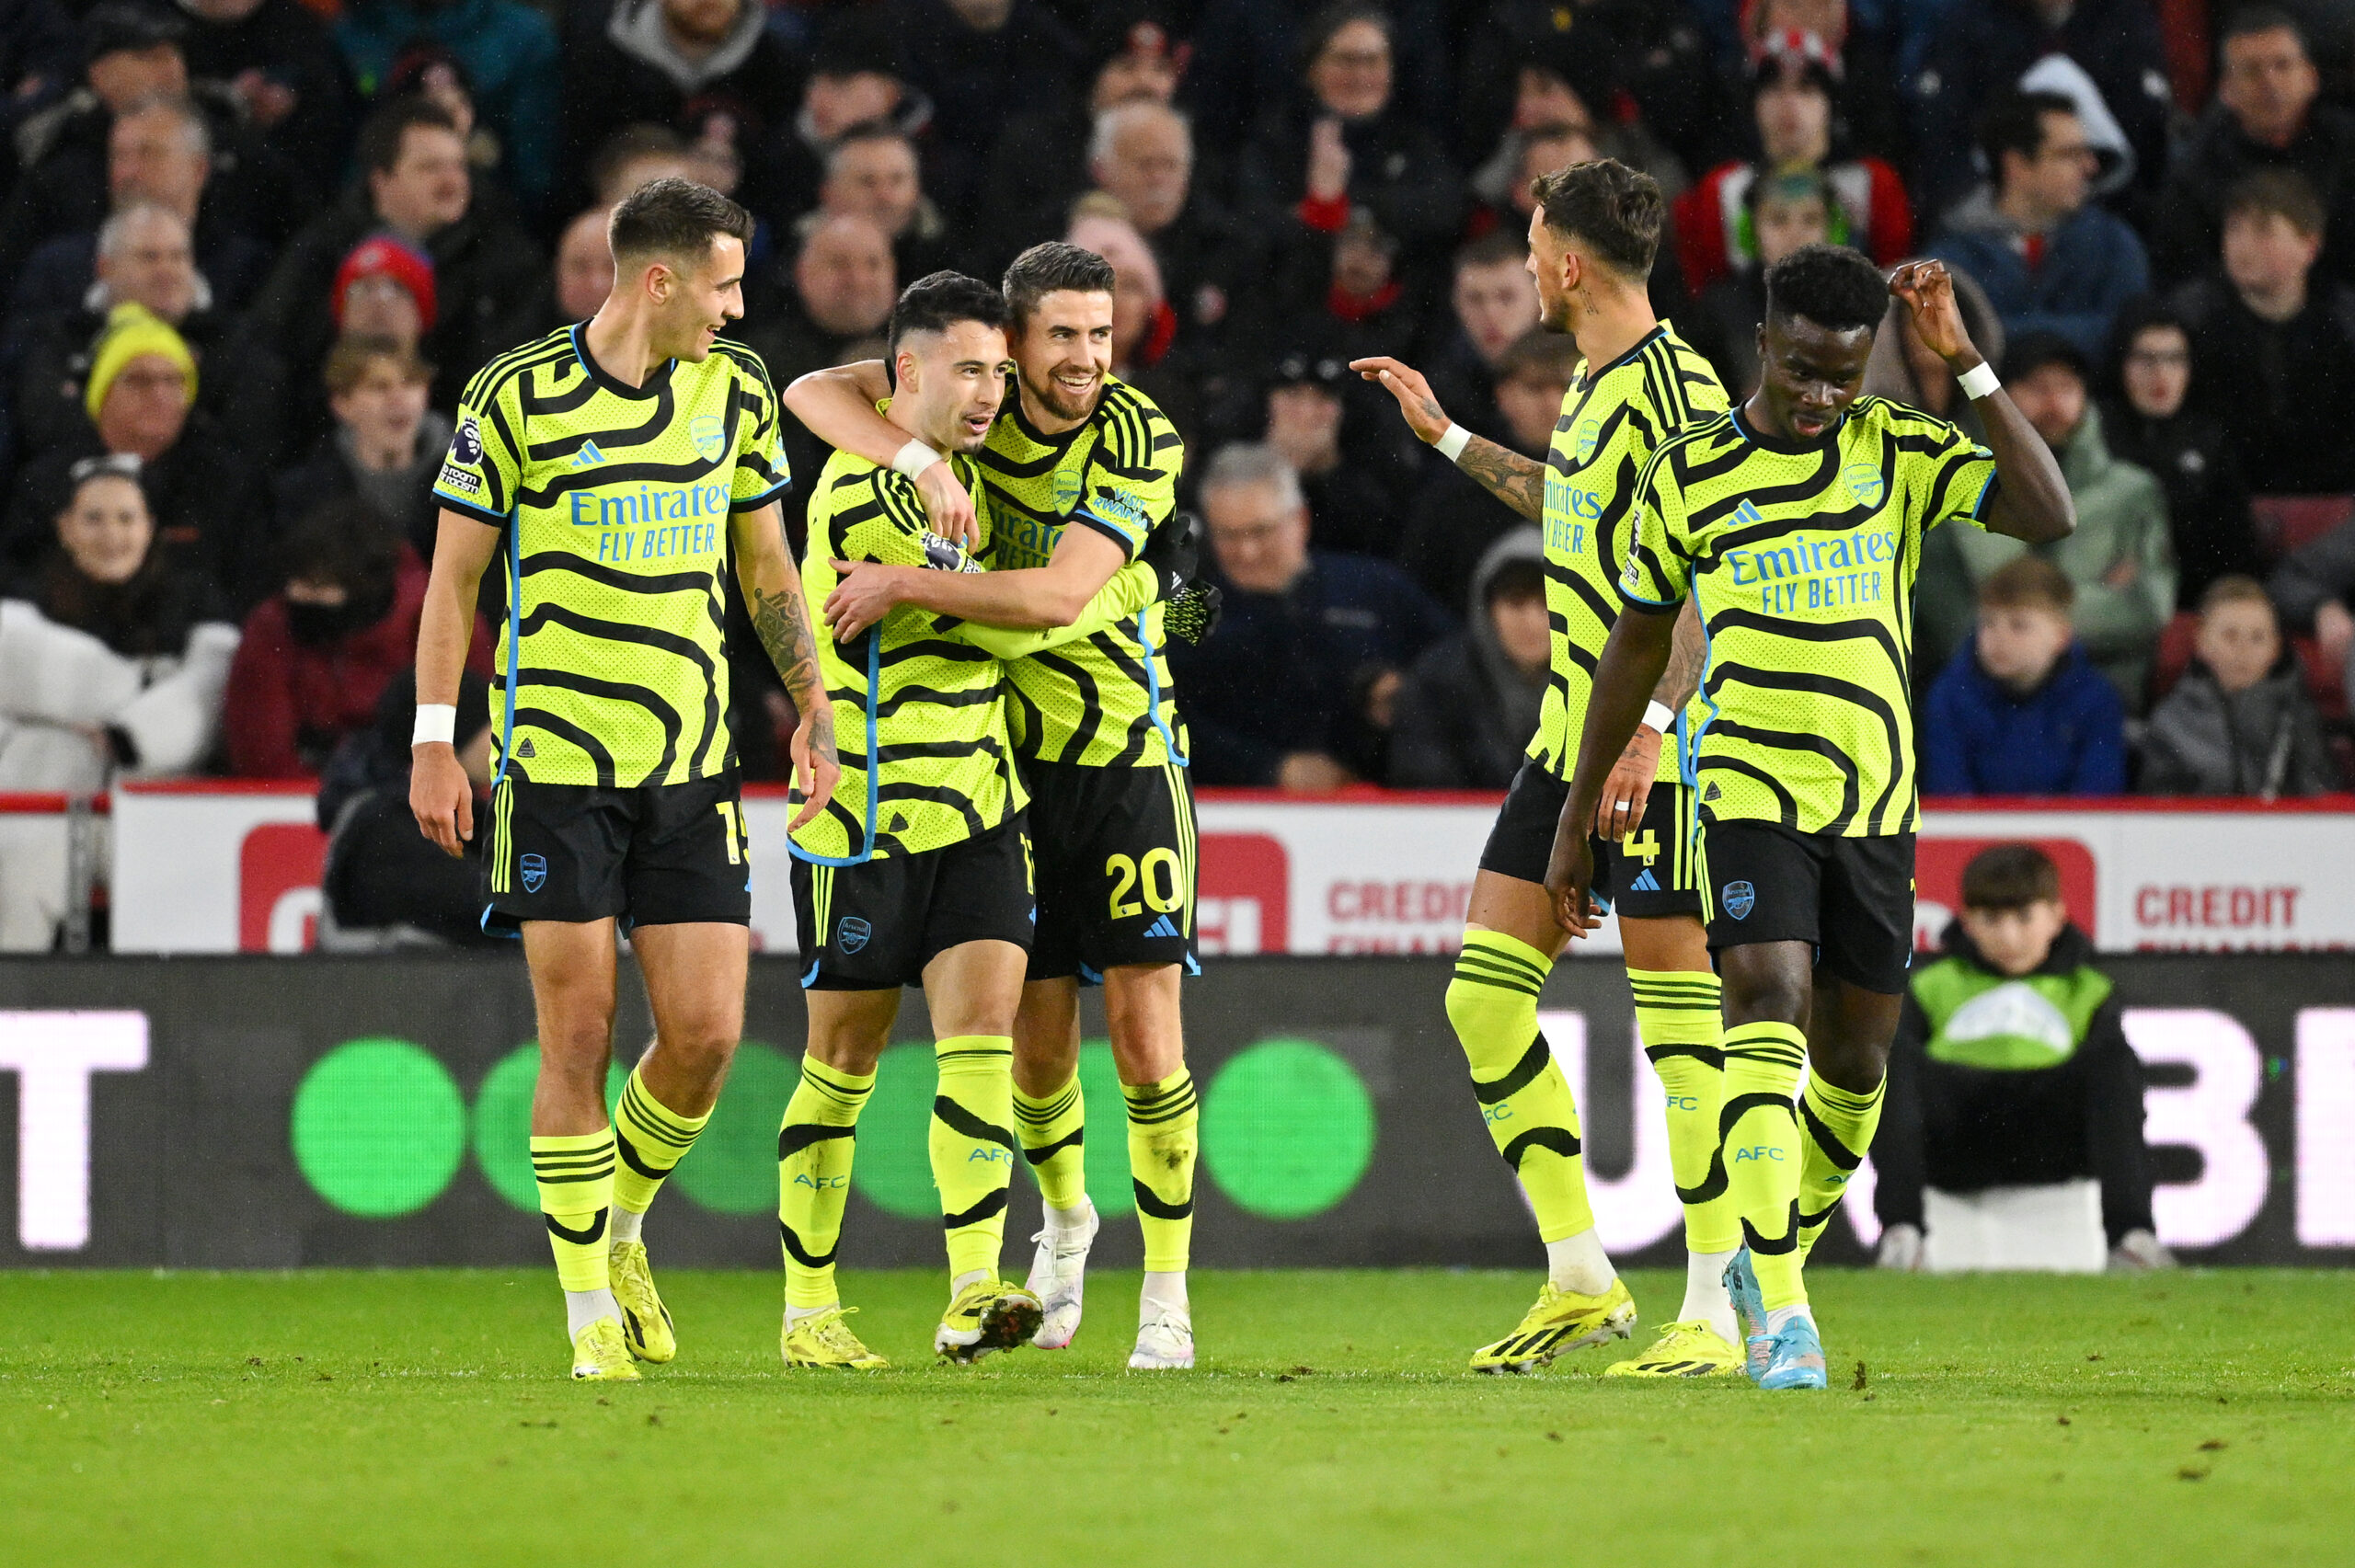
(525, 749)
(1165, 926)
(588, 455)
(1647, 883)
(1747, 514)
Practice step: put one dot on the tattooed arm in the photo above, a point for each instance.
(781, 619)
(1518, 481)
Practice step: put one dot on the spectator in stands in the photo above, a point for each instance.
(830, 310)
(2021, 710)
(144, 259)
(1823, 30)
(509, 54)
(2109, 51)
(1638, 75)
(1145, 347)
(387, 886)
(159, 151)
(2276, 343)
(857, 78)
(384, 449)
(2265, 117)
(1142, 153)
(2239, 722)
(1454, 521)
(112, 661)
(2314, 589)
(39, 53)
(1341, 472)
(1785, 212)
(1792, 110)
(963, 54)
(2119, 558)
(709, 69)
(1523, 153)
(140, 398)
(274, 59)
(415, 185)
(1361, 307)
(1493, 302)
(871, 173)
(633, 156)
(2011, 1068)
(579, 278)
(317, 653)
(2152, 422)
(1342, 144)
(1049, 155)
(385, 289)
(1296, 686)
(1468, 705)
(2049, 259)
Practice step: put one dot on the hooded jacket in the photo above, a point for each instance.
(1465, 711)
(2066, 736)
(2092, 264)
(2121, 518)
(2264, 742)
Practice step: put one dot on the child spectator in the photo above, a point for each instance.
(2239, 721)
(1785, 212)
(2021, 710)
(2152, 422)
(385, 447)
(2011, 1069)
(112, 663)
(317, 653)
(1467, 707)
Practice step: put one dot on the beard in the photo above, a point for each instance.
(1064, 404)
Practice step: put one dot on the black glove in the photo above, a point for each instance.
(1174, 551)
(1193, 613)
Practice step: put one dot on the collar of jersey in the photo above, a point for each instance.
(598, 373)
(1660, 329)
(1756, 437)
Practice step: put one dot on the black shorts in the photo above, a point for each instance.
(1116, 868)
(654, 854)
(1646, 875)
(1852, 899)
(876, 926)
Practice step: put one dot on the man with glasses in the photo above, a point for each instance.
(2048, 258)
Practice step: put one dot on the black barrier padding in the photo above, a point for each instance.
(192, 1163)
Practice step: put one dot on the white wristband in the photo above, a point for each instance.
(435, 721)
(1658, 718)
(914, 458)
(1452, 441)
(1978, 381)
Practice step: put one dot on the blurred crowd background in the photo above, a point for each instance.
(252, 249)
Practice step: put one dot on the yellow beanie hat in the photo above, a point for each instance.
(131, 331)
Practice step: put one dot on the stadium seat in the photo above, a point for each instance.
(2290, 523)
(2326, 683)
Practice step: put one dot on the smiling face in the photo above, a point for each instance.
(694, 301)
(956, 381)
(1807, 375)
(1063, 351)
(106, 530)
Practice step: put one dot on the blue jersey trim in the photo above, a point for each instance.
(1153, 694)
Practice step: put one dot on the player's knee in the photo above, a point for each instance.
(1479, 1011)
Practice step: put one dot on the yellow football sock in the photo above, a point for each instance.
(650, 1139)
(1762, 1152)
(1054, 1129)
(1677, 1014)
(813, 1156)
(1532, 1115)
(972, 1147)
(576, 1179)
(1836, 1132)
(1163, 1118)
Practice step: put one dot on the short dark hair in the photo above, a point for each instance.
(1318, 32)
(1549, 356)
(674, 217)
(630, 143)
(2250, 20)
(1051, 266)
(2010, 876)
(1616, 210)
(2145, 313)
(379, 148)
(1520, 578)
(1831, 285)
(2235, 588)
(2015, 124)
(349, 361)
(1498, 248)
(2029, 582)
(2284, 193)
(2032, 351)
(869, 131)
(344, 540)
(938, 300)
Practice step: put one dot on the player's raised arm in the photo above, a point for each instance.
(781, 619)
(2032, 500)
(838, 406)
(440, 794)
(1518, 481)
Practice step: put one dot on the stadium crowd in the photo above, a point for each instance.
(252, 249)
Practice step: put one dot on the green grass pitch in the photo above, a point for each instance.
(422, 1417)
